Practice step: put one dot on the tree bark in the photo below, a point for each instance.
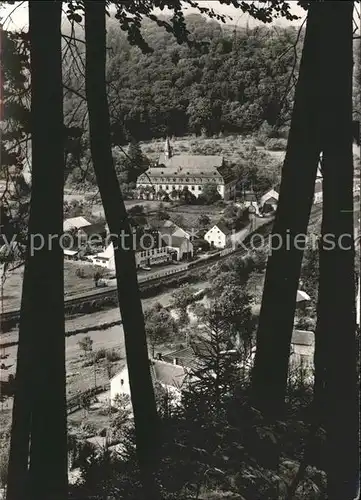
(40, 401)
(336, 351)
(269, 378)
(142, 393)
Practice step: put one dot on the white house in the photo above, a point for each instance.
(169, 375)
(104, 259)
(302, 299)
(269, 201)
(173, 173)
(176, 239)
(218, 236)
(182, 247)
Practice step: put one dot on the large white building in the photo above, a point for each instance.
(174, 173)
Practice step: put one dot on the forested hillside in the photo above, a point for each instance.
(230, 80)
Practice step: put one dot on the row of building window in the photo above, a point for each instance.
(147, 253)
(166, 187)
(174, 180)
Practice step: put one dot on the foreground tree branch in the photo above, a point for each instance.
(336, 351)
(142, 394)
(40, 400)
(295, 202)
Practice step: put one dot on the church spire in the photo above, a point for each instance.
(167, 149)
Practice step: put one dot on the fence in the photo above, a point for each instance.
(162, 274)
(226, 251)
(74, 403)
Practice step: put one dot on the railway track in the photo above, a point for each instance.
(85, 302)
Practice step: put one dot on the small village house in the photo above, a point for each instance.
(218, 236)
(249, 200)
(81, 233)
(302, 299)
(177, 239)
(71, 254)
(182, 247)
(170, 376)
(168, 227)
(75, 224)
(269, 201)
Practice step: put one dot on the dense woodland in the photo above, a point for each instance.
(229, 80)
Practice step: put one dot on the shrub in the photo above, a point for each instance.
(100, 354)
(88, 362)
(113, 355)
(276, 144)
(87, 429)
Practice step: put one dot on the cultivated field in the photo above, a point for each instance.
(73, 283)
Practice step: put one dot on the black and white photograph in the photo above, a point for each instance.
(180, 249)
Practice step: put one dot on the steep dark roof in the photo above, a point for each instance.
(191, 161)
(168, 373)
(188, 356)
(97, 228)
(164, 227)
(222, 227)
(178, 241)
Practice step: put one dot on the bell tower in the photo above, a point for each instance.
(167, 149)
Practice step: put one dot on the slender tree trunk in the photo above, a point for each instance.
(276, 320)
(142, 393)
(336, 343)
(40, 402)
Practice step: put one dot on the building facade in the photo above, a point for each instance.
(176, 173)
(218, 236)
(152, 256)
(269, 201)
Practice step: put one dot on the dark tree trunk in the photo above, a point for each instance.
(336, 352)
(269, 379)
(40, 404)
(142, 393)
